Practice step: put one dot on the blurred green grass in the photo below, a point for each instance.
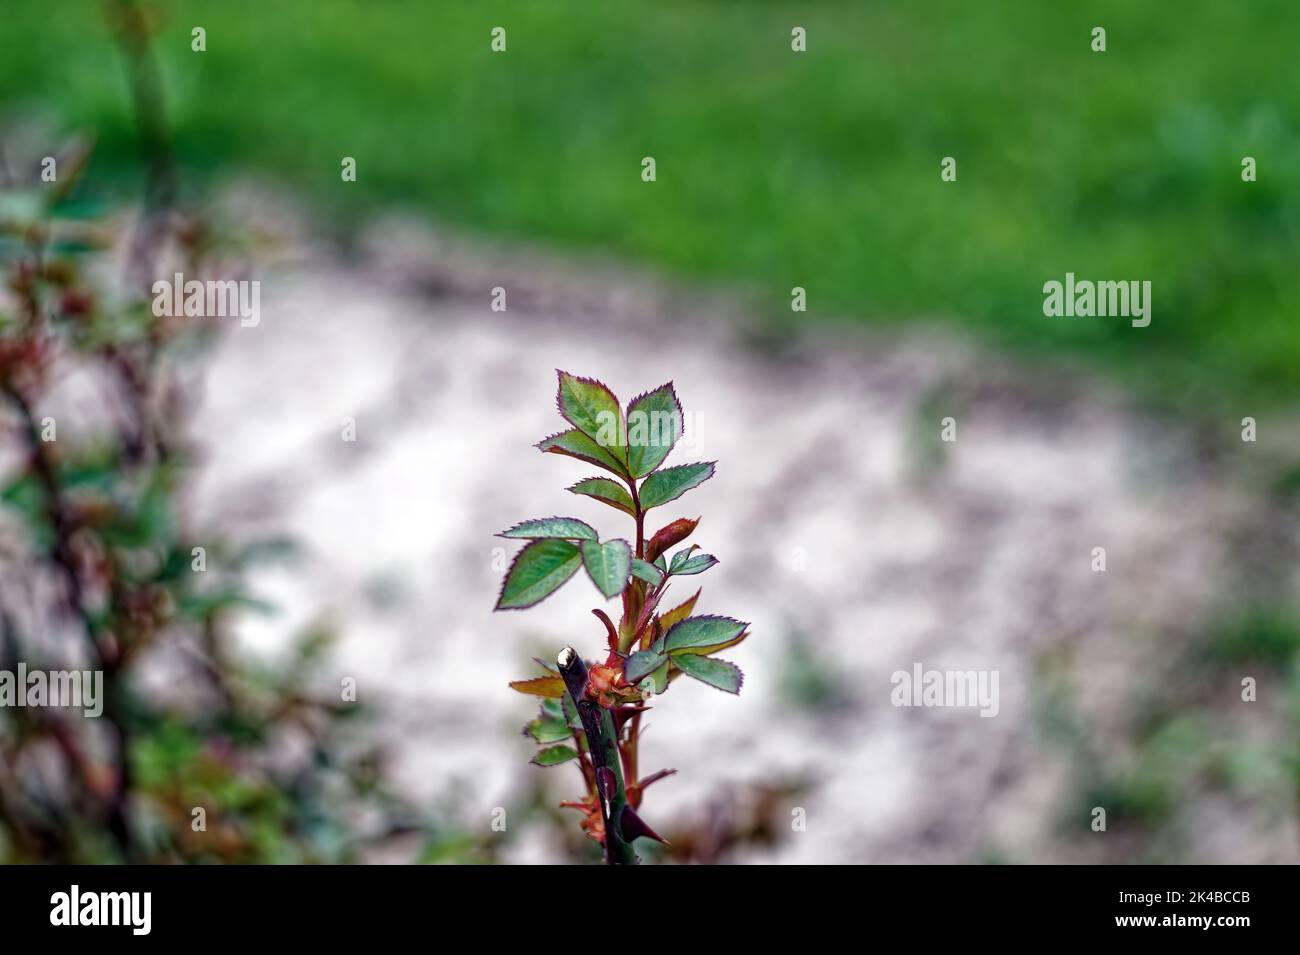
(778, 169)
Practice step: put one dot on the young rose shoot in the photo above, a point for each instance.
(591, 711)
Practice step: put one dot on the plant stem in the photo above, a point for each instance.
(130, 27)
(108, 662)
(640, 519)
(602, 745)
(629, 750)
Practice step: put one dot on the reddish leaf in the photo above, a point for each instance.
(609, 628)
(668, 535)
(678, 613)
(551, 687)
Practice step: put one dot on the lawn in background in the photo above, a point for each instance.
(777, 169)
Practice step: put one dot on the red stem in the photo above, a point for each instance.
(640, 519)
(628, 750)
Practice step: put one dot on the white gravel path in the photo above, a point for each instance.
(826, 518)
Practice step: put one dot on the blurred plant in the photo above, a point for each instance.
(753, 818)
(196, 757)
(101, 573)
(1183, 739)
(809, 681)
(598, 707)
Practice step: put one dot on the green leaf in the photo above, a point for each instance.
(537, 572)
(570, 711)
(704, 631)
(718, 673)
(20, 209)
(26, 497)
(648, 572)
(610, 492)
(564, 528)
(201, 606)
(554, 755)
(592, 408)
(671, 483)
(654, 423)
(608, 565)
(547, 730)
(691, 565)
(575, 444)
(660, 677)
(713, 647)
(642, 663)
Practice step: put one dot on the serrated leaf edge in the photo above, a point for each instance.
(681, 419)
(602, 545)
(744, 625)
(740, 675)
(573, 489)
(537, 520)
(713, 469)
(501, 593)
(560, 375)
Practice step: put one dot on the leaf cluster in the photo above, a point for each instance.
(648, 648)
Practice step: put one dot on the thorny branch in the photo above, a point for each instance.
(647, 650)
(602, 744)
